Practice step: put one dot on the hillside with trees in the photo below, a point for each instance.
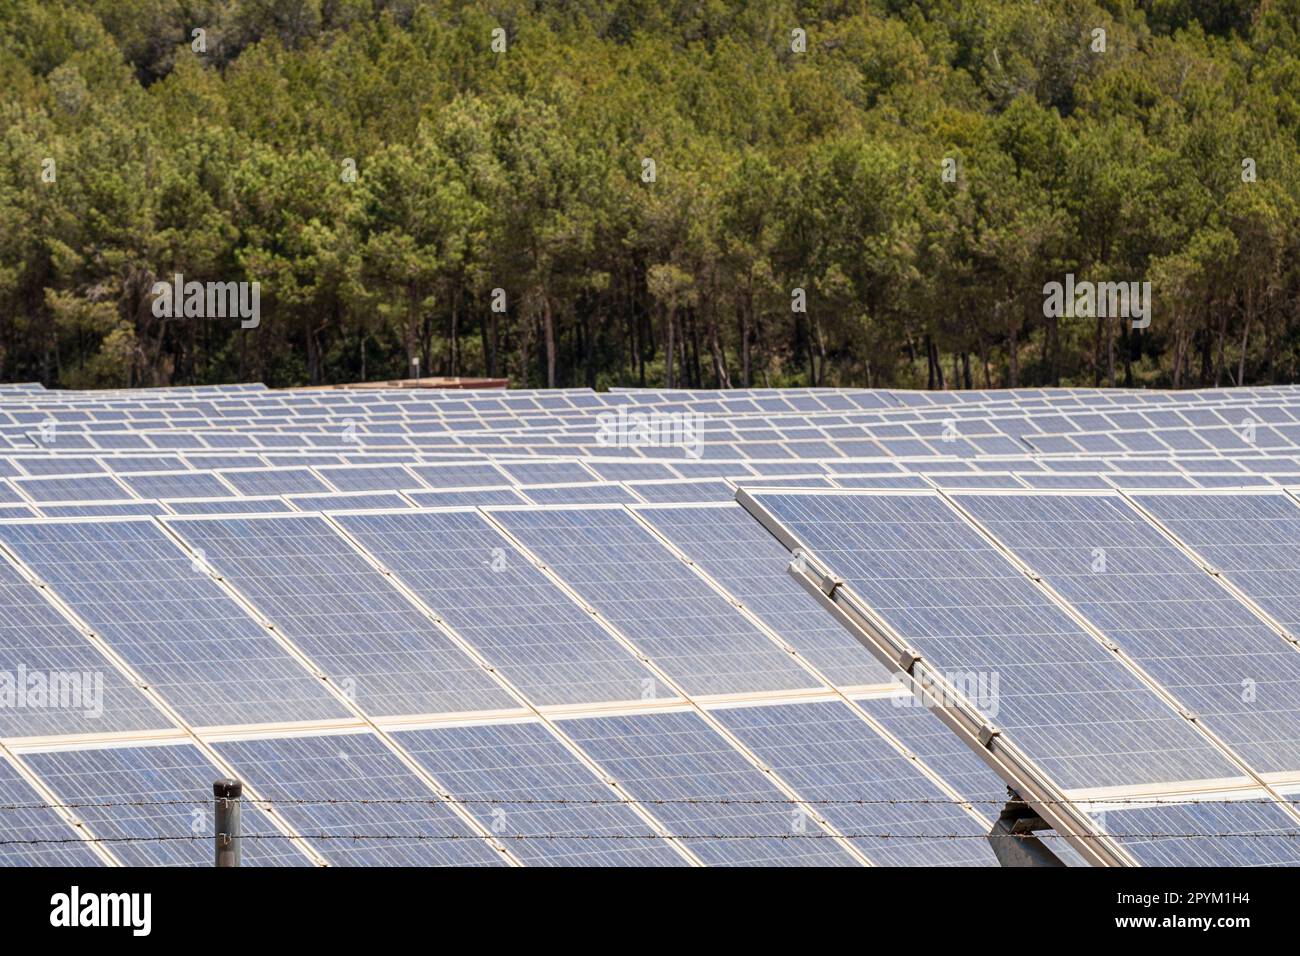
(661, 192)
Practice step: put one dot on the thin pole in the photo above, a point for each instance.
(228, 793)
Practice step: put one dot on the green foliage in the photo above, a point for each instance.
(637, 192)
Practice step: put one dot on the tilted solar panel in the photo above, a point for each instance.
(377, 796)
(165, 615)
(525, 625)
(343, 613)
(725, 810)
(674, 617)
(1084, 717)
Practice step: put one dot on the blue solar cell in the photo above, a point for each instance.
(1149, 481)
(88, 488)
(137, 588)
(881, 481)
(129, 465)
(60, 465)
(34, 836)
(588, 493)
(369, 477)
(275, 481)
(494, 597)
(227, 506)
(160, 810)
(676, 619)
(952, 482)
(343, 613)
(356, 767)
(507, 773)
(1083, 716)
(178, 484)
(742, 556)
(102, 509)
(461, 475)
(684, 490)
(1241, 833)
(940, 749)
(466, 499)
(1231, 481)
(677, 758)
(349, 501)
(545, 472)
(828, 753)
(630, 470)
(1184, 629)
(1253, 539)
(1036, 480)
(711, 469)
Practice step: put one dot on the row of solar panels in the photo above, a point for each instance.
(711, 702)
(574, 411)
(1101, 725)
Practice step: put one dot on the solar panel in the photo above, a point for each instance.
(864, 787)
(1209, 650)
(421, 830)
(85, 488)
(462, 499)
(684, 490)
(545, 472)
(369, 477)
(194, 645)
(34, 835)
(588, 493)
(494, 597)
(1080, 714)
(100, 509)
(349, 501)
(153, 804)
(343, 613)
(226, 506)
(1248, 831)
(523, 784)
(676, 619)
(180, 484)
(460, 475)
(275, 481)
(745, 559)
(725, 810)
(630, 470)
(992, 581)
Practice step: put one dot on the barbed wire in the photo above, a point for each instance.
(635, 837)
(656, 802)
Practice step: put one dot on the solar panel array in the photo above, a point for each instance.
(537, 627)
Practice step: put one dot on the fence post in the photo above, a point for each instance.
(228, 793)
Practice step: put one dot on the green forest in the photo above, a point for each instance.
(683, 193)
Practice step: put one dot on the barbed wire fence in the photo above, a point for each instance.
(883, 834)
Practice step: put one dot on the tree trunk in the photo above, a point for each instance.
(669, 351)
(548, 331)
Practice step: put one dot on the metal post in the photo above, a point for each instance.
(228, 793)
(1012, 836)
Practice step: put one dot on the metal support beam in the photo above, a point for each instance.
(1012, 836)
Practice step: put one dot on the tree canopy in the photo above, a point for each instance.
(628, 192)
